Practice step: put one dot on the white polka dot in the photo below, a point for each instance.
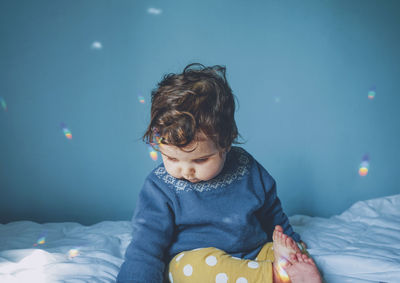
(211, 260)
(171, 280)
(241, 280)
(221, 278)
(252, 264)
(179, 257)
(188, 270)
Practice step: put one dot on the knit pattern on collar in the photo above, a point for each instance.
(236, 166)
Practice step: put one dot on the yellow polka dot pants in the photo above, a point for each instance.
(211, 265)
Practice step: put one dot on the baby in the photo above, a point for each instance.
(209, 212)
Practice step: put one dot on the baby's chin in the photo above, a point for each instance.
(196, 180)
(191, 180)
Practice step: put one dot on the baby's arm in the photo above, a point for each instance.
(152, 233)
(271, 214)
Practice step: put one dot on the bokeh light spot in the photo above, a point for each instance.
(372, 92)
(40, 241)
(73, 253)
(141, 99)
(3, 103)
(153, 153)
(364, 166)
(97, 45)
(66, 131)
(282, 273)
(154, 11)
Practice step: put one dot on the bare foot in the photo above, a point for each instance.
(284, 246)
(302, 269)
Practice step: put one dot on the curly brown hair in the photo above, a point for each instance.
(198, 99)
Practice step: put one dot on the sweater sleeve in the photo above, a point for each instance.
(153, 228)
(271, 214)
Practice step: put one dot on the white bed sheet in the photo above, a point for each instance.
(360, 245)
(101, 250)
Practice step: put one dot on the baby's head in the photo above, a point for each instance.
(192, 114)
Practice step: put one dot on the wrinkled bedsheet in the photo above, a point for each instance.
(360, 245)
(70, 253)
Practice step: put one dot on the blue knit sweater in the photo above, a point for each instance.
(235, 212)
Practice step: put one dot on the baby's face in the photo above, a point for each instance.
(202, 164)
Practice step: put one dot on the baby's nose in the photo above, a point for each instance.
(187, 172)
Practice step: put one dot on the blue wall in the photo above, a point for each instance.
(301, 71)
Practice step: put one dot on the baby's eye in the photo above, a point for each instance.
(202, 160)
(172, 159)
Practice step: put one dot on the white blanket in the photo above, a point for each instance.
(70, 253)
(360, 245)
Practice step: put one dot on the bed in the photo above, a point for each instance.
(360, 245)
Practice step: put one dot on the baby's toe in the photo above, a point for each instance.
(309, 260)
(292, 258)
(299, 257)
(284, 240)
(274, 235)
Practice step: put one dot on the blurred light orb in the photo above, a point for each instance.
(40, 241)
(66, 131)
(68, 135)
(73, 253)
(3, 103)
(364, 166)
(372, 92)
(141, 99)
(97, 45)
(282, 273)
(154, 11)
(153, 153)
(363, 171)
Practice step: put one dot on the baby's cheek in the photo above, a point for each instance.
(209, 172)
(172, 170)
